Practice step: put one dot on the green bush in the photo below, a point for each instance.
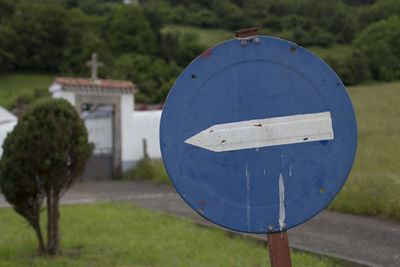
(130, 31)
(352, 70)
(41, 35)
(380, 42)
(202, 18)
(358, 64)
(272, 23)
(148, 170)
(42, 156)
(153, 75)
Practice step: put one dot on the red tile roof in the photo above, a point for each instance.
(143, 107)
(98, 83)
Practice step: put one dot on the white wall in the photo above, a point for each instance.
(145, 125)
(55, 89)
(7, 123)
(127, 101)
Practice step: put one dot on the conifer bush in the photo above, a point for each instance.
(43, 155)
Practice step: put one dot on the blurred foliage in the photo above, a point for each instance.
(148, 72)
(43, 155)
(380, 42)
(60, 35)
(149, 170)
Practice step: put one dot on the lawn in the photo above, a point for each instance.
(113, 234)
(25, 85)
(207, 37)
(373, 187)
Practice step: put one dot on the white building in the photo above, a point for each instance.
(116, 129)
(122, 136)
(7, 123)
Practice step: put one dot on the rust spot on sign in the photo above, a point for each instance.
(202, 202)
(206, 54)
(293, 48)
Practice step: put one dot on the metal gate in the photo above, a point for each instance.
(98, 119)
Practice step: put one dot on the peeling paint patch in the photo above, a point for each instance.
(281, 203)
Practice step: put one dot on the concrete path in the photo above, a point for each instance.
(361, 240)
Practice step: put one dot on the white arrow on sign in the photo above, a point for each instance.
(265, 132)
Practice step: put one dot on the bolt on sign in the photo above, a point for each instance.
(258, 134)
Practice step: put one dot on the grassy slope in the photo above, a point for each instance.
(208, 37)
(123, 235)
(211, 37)
(14, 85)
(374, 183)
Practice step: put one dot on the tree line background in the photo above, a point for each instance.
(60, 35)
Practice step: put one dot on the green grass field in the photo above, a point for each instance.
(122, 235)
(24, 85)
(373, 187)
(207, 37)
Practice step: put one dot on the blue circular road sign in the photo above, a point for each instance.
(258, 134)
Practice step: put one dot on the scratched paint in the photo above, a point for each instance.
(205, 54)
(274, 131)
(248, 197)
(282, 214)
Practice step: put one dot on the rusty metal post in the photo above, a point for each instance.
(243, 33)
(279, 250)
(145, 154)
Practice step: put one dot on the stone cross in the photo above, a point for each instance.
(94, 65)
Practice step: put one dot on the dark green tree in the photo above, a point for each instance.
(7, 42)
(380, 42)
(84, 38)
(153, 76)
(7, 8)
(130, 32)
(180, 47)
(42, 33)
(43, 155)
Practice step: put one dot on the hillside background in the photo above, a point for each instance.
(152, 42)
